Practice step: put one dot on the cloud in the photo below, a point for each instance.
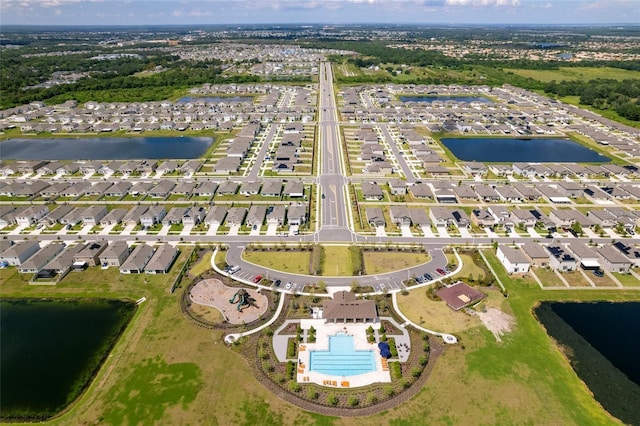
(483, 3)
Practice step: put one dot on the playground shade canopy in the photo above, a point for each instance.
(385, 352)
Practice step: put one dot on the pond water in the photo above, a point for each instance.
(51, 351)
(602, 345)
(430, 99)
(216, 99)
(106, 148)
(540, 150)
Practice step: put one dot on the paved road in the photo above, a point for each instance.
(332, 180)
(380, 282)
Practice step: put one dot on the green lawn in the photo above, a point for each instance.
(296, 262)
(337, 261)
(380, 262)
(577, 73)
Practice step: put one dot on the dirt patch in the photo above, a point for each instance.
(496, 322)
(211, 292)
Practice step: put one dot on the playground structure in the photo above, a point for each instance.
(244, 299)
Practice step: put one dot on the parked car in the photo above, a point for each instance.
(598, 272)
(288, 285)
(420, 279)
(427, 277)
(277, 283)
(257, 279)
(441, 271)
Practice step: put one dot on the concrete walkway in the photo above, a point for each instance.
(447, 338)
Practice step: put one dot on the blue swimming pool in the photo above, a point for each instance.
(342, 359)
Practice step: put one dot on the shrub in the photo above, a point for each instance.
(372, 398)
(268, 367)
(396, 370)
(291, 348)
(294, 386)
(291, 369)
(332, 399)
(312, 393)
(280, 378)
(423, 360)
(415, 372)
(353, 401)
(383, 338)
(389, 391)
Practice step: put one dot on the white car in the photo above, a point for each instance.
(288, 285)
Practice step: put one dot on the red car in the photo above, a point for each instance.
(257, 279)
(441, 271)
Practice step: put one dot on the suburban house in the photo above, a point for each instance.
(375, 217)
(345, 308)
(276, 215)
(137, 260)
(174, 216)
(293, 189)
(152, 216)
(193, 216)
(215, 216)
(256, 215)
(513, 259)
(113, 217)
(31, 215)
(19, 252)
(537, 255)
(587, 256)
(133, 215)
(371, 191)
(631, 252)
(93, 214)
(90, 254)
(235, 216)
(612, 260)
(115, 254)
(400, 215)
(297, 214)
(162, 259)
(272, 188)
(40, 258)
(561, 259)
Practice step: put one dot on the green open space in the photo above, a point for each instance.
(576, 73)
(293, 261)
(338, 261)
(381, 262)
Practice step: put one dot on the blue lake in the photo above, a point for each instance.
(509, 150)
(104, 148)
(216, 99)
(430, 99)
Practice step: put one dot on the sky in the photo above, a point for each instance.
(199, 12)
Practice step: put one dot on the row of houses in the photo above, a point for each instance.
(87, 168)
(150, 215)
(57, 259)
(561, 192)
(501, 216)
(159, 188)
(618, 257)
(164, 115)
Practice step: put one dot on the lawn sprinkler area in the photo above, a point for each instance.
(341, 356)
(237, 305)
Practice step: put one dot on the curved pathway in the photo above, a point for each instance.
(448, 338)
(230, 338)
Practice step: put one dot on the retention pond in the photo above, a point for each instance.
(600, 340)
(52, 349)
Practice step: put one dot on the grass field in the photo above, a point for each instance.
(203, 265)
(435, 314)
(337, 261)
(577, 73)
(381, 262)
(296, 262)
(469, 268)
(548, 277)
(165, 370)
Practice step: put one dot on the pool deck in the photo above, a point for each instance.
(323, 332)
